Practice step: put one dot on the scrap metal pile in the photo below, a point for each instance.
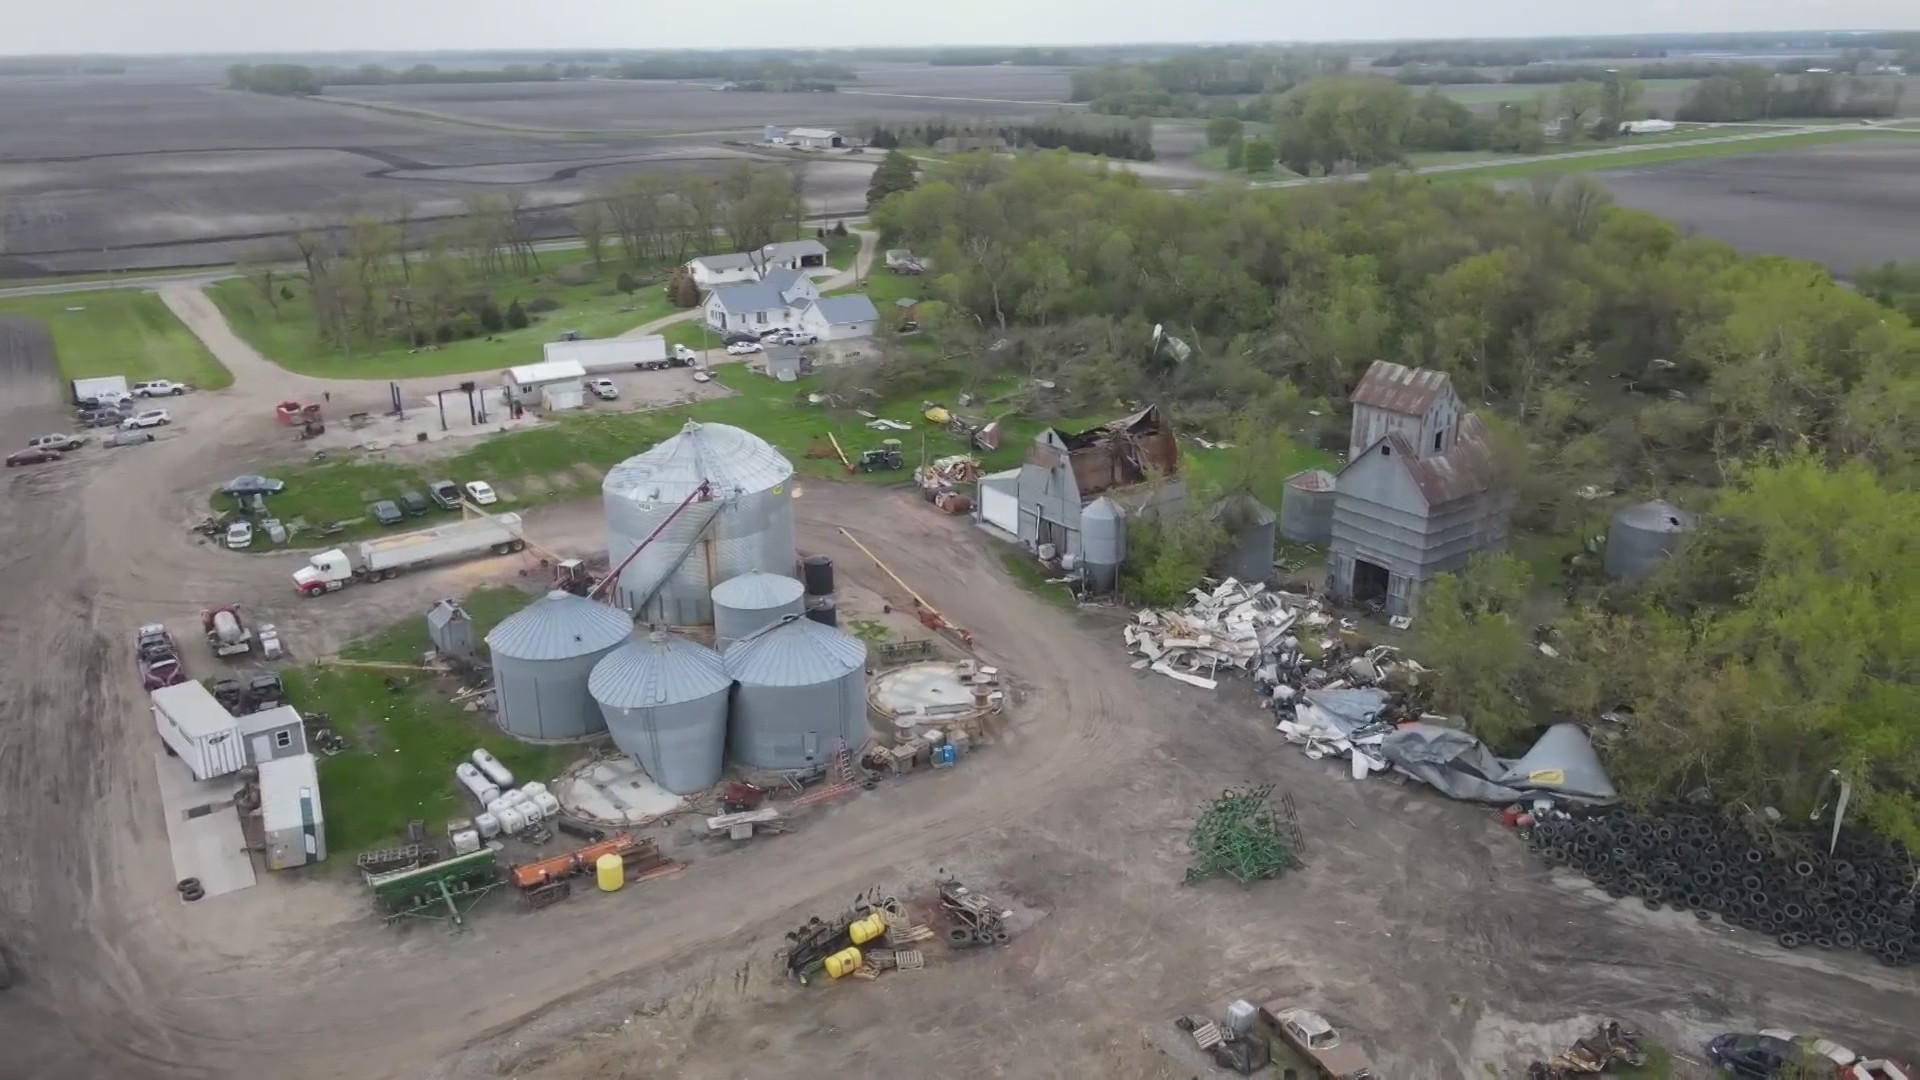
(1862, 894)
(1608, 1046)
(1242, 835)
(1233, 627)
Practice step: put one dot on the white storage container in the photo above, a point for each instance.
(530, 808)
(549, 806)
(487, 824)
(512, 820)
(482, 788)
(465, 842)
(495, 771)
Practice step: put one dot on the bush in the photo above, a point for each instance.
(489, 317)
(543, 304)
(443, 333)
(517, 316)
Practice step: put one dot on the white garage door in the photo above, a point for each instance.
(999, 508)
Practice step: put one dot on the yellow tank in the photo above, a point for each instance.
(843, 963)
(610, 871)
(865, 930)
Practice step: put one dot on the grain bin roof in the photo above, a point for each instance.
(560, 626)
(735, 460)
(661, 669)
(795, 652)
(1656, 515)
(757, 590)
(1102, 509)
(1311, 480)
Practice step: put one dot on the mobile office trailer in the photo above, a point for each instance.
(199, 730)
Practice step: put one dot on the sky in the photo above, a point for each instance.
(207, 26)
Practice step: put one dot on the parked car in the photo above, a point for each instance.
(414, 503)
(729, 339)
(1751, 1057)
(128, 438)
(111, 399)
(743, 348)
(800, 337)
(481, 492)
(149, 418)
(687, 356)
(445, 493)
(62, 443)
(253, 484)
(1321, 1042)
(160, 388)
(32, 455)
(774, 334)
(604, 389)
(385, 512)
(240, 535)
(100, 417)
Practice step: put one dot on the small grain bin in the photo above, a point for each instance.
(1642, 536)
(753, 601)
(1306, 507)
(450, 629)
(1103, 543)
(664, 699)
(542, 658)
(1249, 526)
(802, 690)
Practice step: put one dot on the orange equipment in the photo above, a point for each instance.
(581, 860)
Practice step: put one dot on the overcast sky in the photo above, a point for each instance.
(201, 26)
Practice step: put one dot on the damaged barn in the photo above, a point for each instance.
(1135, 461)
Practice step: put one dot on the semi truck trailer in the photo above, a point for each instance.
(390, 556)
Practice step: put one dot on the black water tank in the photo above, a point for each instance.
(816, 571)
(823, 612)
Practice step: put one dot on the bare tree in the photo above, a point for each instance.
(590, 221)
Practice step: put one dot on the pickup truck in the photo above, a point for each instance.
(1308, 1032)
(160, 388)
(62, 443)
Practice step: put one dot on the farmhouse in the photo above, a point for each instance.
(1417, 497)
(838, 318)
(559, 384)
(775, 300)
(814, 138)
(1134, 461)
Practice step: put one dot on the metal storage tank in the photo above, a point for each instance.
(1103, 542)
(665, 703)
(747, 525)
(1642, 536)
(802, 689)
(1250, 522)
(542, 657)
(817, 573)
(1306, 507)
(751, 602)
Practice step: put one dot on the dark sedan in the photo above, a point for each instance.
(385, 512)
(1751, 1057)
(32, 455)
(251, 484)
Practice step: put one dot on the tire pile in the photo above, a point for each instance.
(1861, 897)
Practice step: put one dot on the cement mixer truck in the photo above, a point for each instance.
(226, 629)
(390, 556)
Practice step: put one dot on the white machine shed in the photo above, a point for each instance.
(999, 506)
(557, 384)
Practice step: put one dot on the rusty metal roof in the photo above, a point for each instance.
(1465, 470)
(1398, 388)
(1311, 480)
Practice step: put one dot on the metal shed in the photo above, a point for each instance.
(802, 691)
(555, 384)
(664, 699)
(1642, 536)
(747, 525)
(542, 658)
(450, 629)
(751, 602)
(1306, 507)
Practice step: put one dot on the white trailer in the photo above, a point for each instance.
(390, 556)
(291, 822)
(105, 389)
(199, 730)
(602, 355)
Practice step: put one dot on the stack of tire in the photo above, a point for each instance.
(1787, 886)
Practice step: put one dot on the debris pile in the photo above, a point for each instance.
(1242, 835)
(948, 473)
(1608, 1046)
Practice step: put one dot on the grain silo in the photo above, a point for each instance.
(1103, 543)
(1306, 507)
(1642, 536)
(752, 602)
(746, 524)
(802, 691)
(664, 699)
(1249, 526)
(542, 658)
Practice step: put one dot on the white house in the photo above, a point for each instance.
(711, 270)
(774, 301)
(601, 355)
(814, 138)
(794, 255)
(838, 318)
(559, 384)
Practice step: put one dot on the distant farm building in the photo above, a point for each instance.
(1646, 127)
(815, 138)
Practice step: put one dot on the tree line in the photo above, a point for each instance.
(773, 71)
(1613, 352)
(1751, 92)
(985, 57)
(1114, 138)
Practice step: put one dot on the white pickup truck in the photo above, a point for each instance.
(390, 556)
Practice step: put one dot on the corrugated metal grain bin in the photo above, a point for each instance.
(1642, 536)
(542, 658)
(752, 602)
(802, 690)
(1249, 523)
(665, 703)
(1306, 507)
(1103, 543)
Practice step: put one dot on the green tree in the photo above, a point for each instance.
(682, 291)
(1258, 156)
(490, 317)
(1471, 634)
(896, 172)
(517, 316)
(626, 284)
(1236, 153)
(1223, 130)
(1579, 106)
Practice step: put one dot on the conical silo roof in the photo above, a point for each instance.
(1655, 516)
(560, 626)
(757, 591)
(795, 652)
(1102, 509)
(733, 459)
(657, 670)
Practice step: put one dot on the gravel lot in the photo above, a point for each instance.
(1846, 205)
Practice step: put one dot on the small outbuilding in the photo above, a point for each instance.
(292, 826)
(784, 362)
(840, 318)
(808, 138)
(553, 386)
(999, 501)
(1134, 459)
(450, 629)
(1249, 525)
(808, 254)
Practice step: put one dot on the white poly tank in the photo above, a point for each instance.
(499, 803)
(534, 788)
(512, 820)
(465, 842)
(528, 808)
(487, 824)
(549, 806)
(495, 771)
(471, 779)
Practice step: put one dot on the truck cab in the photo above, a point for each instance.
(328, 571)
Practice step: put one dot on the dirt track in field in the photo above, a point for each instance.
(1418, 923)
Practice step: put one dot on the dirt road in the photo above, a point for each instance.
(1417, 920)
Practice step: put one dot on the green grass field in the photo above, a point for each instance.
(1660, 94)
(121, 332)
(403, 745)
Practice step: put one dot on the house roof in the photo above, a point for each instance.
(444, 612)
(551, 371)
(1464, 471)
(811, 133)
(737, 261)
(787, 249)
(855, 307)
(1398, 388)
(772, 291)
